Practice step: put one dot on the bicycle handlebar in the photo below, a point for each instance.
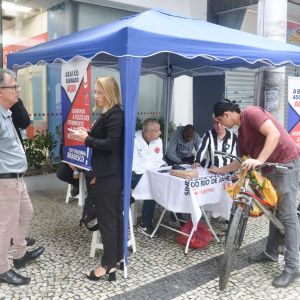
(267, 164)
(228, 155)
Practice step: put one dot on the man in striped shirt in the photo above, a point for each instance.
(216, 139)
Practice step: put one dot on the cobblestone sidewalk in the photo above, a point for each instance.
(158, 270)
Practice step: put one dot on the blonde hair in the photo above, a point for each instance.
(111, 91)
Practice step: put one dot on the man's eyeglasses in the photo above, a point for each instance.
(16, 87)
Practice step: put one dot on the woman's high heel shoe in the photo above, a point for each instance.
(121, 265)
(111, 275)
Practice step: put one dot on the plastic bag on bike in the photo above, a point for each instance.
(261, 186)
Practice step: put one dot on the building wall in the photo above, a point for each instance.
(182, 107)
(72, 16)
(193, 8)
(33, 80)
(25, 29)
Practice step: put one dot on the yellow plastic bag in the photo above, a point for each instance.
(235, 187)
(262, 187)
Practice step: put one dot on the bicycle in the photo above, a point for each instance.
(242, 205)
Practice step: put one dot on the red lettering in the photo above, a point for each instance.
(71, 88)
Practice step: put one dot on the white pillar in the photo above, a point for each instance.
(271, 23)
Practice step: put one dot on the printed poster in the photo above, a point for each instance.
(293, 33)
(294, 108)
(76, 95)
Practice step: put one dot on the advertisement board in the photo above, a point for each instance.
(294, 108)
(76, 95)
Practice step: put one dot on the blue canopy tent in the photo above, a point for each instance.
(161, 43)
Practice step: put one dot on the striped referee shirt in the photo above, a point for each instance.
(210, 143)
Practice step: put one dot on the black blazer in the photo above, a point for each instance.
(106, 140)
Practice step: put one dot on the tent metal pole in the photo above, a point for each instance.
(167, 104)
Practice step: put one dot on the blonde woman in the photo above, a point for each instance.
(106, 140)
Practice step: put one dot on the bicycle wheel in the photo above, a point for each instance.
(234, 240)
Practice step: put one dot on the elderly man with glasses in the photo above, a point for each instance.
(15, 206)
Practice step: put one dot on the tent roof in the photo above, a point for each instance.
(163, 39)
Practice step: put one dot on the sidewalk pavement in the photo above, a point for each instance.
(158, 270)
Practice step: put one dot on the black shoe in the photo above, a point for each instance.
(11, 277)
(146, 230)
(74, 191)
(29, 241)
(262, 257)
(29, 255)
(179, 222)
(284, 279)
(111, 275)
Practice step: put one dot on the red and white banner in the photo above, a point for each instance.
(76, 95)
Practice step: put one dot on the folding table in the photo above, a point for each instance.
(178, 195)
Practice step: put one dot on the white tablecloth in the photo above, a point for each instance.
(186, 196)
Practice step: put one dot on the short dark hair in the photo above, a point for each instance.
(188, 127)
(225, 105)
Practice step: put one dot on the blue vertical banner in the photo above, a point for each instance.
(76, 95)
(294, 108)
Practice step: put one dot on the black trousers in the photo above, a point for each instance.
(109, 209)
(65, 173)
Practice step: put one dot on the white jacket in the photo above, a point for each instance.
(146, 156)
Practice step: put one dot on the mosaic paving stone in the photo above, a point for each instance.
(158, 270)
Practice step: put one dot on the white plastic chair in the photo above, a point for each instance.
(82, 190)
(97, 242)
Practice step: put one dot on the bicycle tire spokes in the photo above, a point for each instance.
(233, 242)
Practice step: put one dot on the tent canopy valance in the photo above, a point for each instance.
(162, 38)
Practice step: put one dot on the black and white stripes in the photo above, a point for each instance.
(210, 143)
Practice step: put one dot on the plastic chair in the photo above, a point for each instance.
(97, 242)
(82, 190)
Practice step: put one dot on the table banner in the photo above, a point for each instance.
(186, 196)
(208, 190)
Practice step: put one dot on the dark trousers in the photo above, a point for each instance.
(65, 173)
(148, 212)
(109, 209)
(286, 183)
(148, 205)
